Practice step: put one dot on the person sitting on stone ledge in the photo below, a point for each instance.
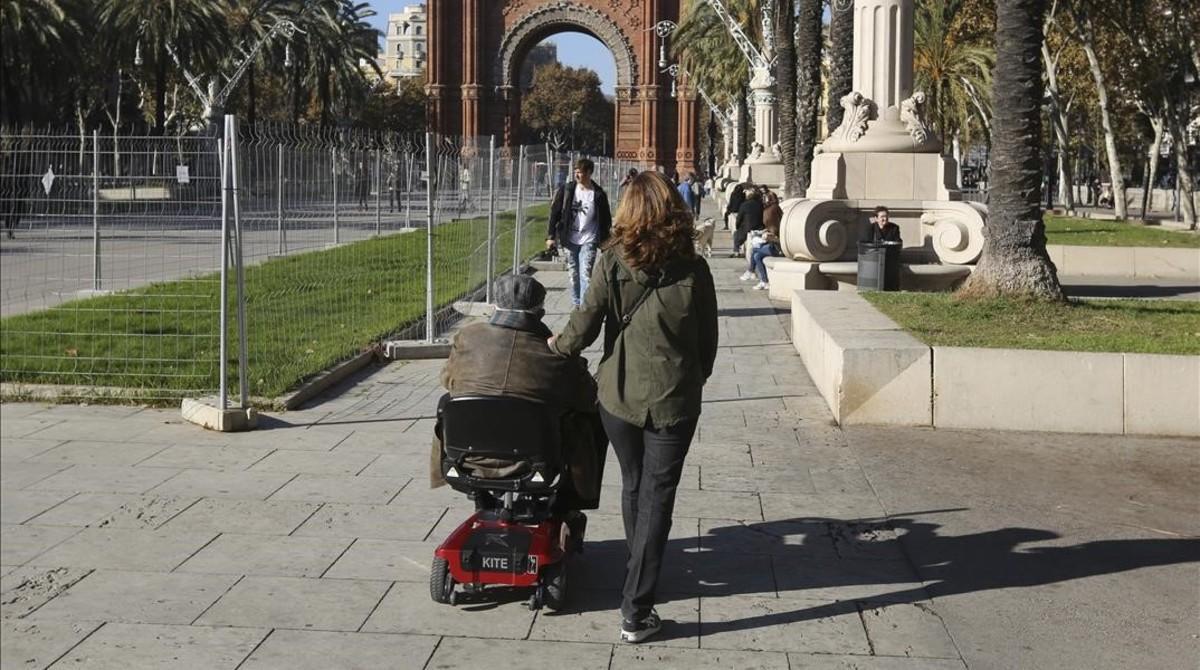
(880, 229)
(508, 356)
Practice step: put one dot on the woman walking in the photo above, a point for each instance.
(655, 298)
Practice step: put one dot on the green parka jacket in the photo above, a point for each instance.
(655, 368)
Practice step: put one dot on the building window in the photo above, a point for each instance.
(399, 51)
(405, 24)
(418, 30)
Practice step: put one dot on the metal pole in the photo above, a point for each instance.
(549, 172)
(491, 233)
(96, 210)
(407, 192)
(223, 319)
(429, 238)
(337, 237)
(279, 203)
(378, 190)
(520, 213)
(243, 379)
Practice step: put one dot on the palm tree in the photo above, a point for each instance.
(1014, 260)
(31, 33)
(196, 29)
(956, 75)
(785, 91)
(808, 53)
(336, 37)
(713, 60)
(841, 59)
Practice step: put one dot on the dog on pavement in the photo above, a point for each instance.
(704, 237)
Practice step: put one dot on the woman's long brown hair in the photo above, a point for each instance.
(653, 225)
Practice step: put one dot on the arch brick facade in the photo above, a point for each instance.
(476, 48)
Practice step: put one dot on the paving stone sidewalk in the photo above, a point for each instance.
(133, 540)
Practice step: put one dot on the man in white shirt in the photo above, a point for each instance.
(580, 220)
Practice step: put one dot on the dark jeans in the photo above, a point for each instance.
(739, 238)
(651, 462)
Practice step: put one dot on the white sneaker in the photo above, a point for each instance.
(747, 276)
(761, 286)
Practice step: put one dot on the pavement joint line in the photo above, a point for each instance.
(38, 430)
(339, 557)
(143, 460)
(260, 643)
(289, 481)
(188, 507)
(436, 645)
(363, 468)
(189, 557)
(28, 486)
(435, 524)
(862, 620)
(47, 549)
(301, 524)
(259, 460)
(400, 490)
(214, 603)
(338, 442)
(376, 607)
(52, 507)
(178, 472)
(81, 641)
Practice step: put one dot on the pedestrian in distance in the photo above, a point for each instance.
(688, 195)
(697, 194)
(362, 185)
(580, 220)
(736, 197)
(394, 186)
(654, 298)
(749, 218)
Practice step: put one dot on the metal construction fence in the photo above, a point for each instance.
(168, 267)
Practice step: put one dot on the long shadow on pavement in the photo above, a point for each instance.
(944, 565)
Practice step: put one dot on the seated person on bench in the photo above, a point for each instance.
(508, 356)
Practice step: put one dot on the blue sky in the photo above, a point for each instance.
(574, 49)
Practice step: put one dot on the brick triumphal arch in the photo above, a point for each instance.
(476, 48)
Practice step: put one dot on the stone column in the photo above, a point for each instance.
(883, 51)
(685, 136)
(766, 135)
(648, 90)
(470, 76)
(434, 87)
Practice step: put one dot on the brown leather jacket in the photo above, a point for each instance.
(509, 356)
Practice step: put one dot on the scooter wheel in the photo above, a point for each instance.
(441, 584)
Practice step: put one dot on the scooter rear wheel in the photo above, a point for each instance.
(441, 584)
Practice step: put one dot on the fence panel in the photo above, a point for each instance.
(109, 261)
(112, 275)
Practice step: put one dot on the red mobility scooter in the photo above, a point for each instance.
(505, 454)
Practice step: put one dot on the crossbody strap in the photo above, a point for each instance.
(626, 317)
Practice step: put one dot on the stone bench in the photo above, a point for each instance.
(787, 275)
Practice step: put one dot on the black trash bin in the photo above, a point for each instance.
(879, 266)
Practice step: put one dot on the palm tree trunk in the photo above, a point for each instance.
(160, 89)
(743, 124)
(251, 95)
(808, 55)
(1014, 260)
(785, 92)
(841, 63)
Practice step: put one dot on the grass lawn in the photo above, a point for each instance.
(1133, 326)
(1092, 232)
(304, 314)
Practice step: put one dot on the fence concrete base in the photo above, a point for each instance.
(207, 413)
(1128, 262)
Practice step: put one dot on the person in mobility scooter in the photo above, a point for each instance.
(518, 433)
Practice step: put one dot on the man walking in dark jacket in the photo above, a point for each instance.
(580, 220)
